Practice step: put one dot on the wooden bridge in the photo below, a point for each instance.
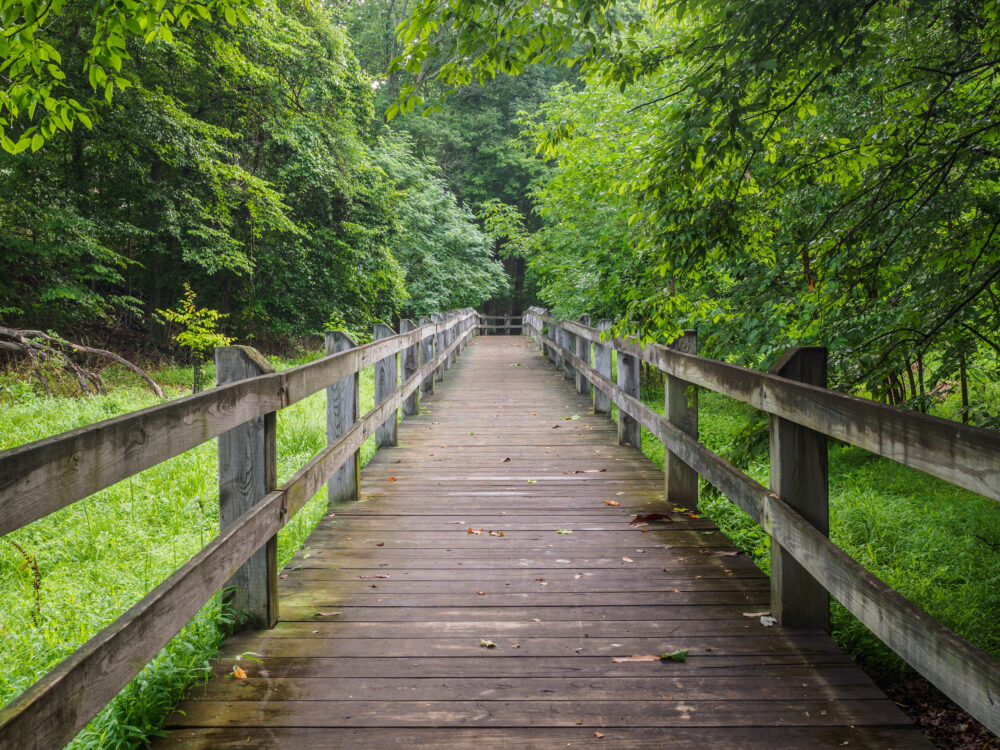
(512, 575)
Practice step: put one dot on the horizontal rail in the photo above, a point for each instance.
(53, 710)
(964, 672)
(963, 455)
(41, 477)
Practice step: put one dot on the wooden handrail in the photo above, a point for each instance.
(52, 711)
(964, 672)
(41, 477)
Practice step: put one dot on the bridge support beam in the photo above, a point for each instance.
(799, 476)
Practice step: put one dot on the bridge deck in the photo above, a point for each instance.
(387, 615)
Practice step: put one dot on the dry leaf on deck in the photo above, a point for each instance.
(239, 673)
(327, 614)
(628, 559)
(643, 519)
(612, 503)
(635, 657)
(486, 644)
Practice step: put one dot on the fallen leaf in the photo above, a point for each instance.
(612, 503)
(642, 519)
(453, 521)
(392, 479)
(475, 531)
(598, 735)
(767, 621)
(678, 655)
(725, 553)
(756, 614)
(380, 544)
(506, 460)
(555, 427)
(327, 614)
(563, 531)
(377, 575)
(635, 657)
(480, 592)
(486, 644)
(628, 559)
(239, 673)
(496, 533)
(531, 481)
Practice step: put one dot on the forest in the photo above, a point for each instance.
(175, 176)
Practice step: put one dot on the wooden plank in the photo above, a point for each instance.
(545, 738)
(343, 403)
(386, 383)
(629, 432)
(681, 409)
(247, 473)
(411, 363)
(799, 475)
(426, 355)
(583, 352)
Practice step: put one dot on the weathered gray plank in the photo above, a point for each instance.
(386, 377)
(426, 355)
(247, 473)
(629, 431)
(681, 409)
(342, 411)
(799, 476)
(411, 363)
(583, 352)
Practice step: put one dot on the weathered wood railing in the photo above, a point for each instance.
(47, 475)
(806, 567)
(506, 324)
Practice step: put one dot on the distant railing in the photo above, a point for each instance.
(506, 325)
(806, 567)
(44, 476)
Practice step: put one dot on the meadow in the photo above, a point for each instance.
(68, 575)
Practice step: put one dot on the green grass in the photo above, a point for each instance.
(936, 544)
(102, 554)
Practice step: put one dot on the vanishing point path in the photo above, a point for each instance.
(400, 628)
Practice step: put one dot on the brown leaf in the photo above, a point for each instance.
(480, 592)
(506, 460)
(612, 503)
(486, 644)
(755, 615)
(327, 614)
(475, 531)
(628, 559)
(377, 575)
(555, 427)
(598, 735)
(239, 673)
(392, 479)
(635, 657)
(643, 519)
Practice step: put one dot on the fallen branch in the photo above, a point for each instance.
(44, 348)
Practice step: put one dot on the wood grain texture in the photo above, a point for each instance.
(386, 383)
(964, 672)
(411, 363)
(681, 409)
(342, 410)
(247, 473)
(957, 453)
(386, 606)
(799, 475)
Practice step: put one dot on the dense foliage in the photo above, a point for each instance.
(775, 173)
(243, 160)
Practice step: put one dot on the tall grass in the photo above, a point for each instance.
(97, 557)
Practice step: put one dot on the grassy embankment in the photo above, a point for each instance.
(68, 575)
(936, 544)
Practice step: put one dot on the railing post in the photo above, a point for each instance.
(411, 363)
(583, 352)
(426, 355)
(342, 411)
(569, 344)
(629, 430)
(556, 336)
(681, 408)
(438, 346)
(602, 363)
(449, 337)
(799, 477)
(386, 377)
(247, 472)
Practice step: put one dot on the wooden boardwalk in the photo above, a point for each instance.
(388, 615)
